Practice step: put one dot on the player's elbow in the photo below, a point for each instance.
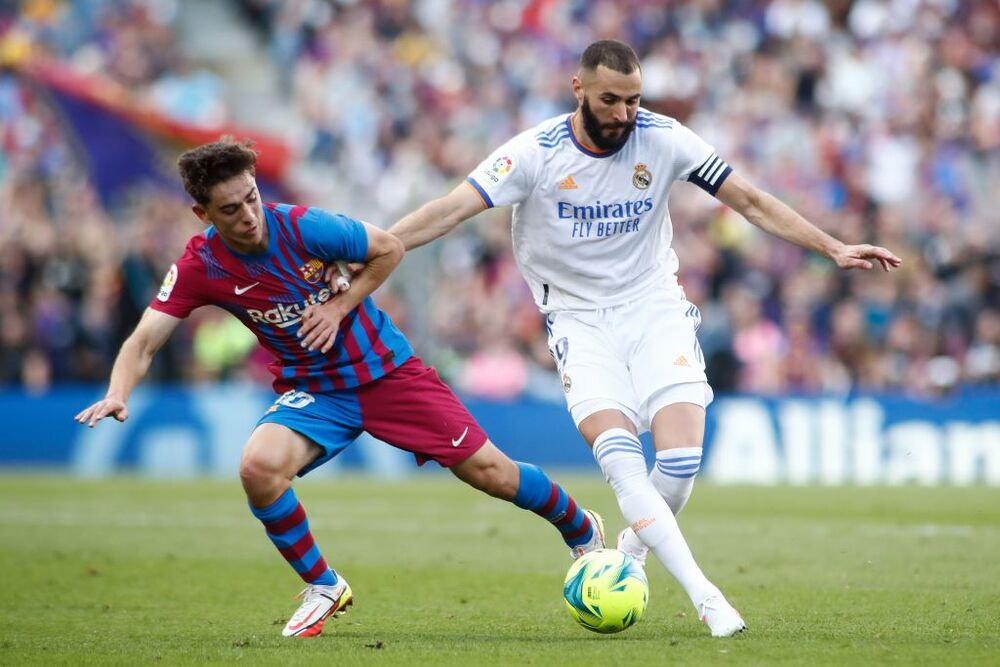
(395, 249)
(390, 250)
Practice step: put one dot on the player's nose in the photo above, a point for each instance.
(248, 214)
(619, 112)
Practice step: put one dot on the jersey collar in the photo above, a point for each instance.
(583, 149)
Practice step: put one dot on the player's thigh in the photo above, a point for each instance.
(665, 354)
(328, 422)
(412, 409)
(277, 449)
(591, 364)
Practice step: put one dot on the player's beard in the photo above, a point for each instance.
(595, 129)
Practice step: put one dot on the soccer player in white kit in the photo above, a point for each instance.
(592, 235)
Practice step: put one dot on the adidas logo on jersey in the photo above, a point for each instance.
(568, 183)
(681, 361)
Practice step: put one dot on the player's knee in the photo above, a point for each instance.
(257, 471)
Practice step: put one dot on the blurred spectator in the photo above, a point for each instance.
(877, 119)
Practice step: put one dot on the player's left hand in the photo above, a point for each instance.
(336, 280)
(320, 324)
(858, 256)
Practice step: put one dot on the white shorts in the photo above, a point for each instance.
(636, 358)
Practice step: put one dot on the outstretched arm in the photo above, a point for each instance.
(131, 366)
(774, 217)
(438, 217)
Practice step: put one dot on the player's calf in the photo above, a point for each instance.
(525, 485)
(582, 530)
(674, 474)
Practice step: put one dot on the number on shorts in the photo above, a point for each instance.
(296, 399)
(560, 351)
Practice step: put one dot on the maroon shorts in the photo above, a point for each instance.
(412, 409)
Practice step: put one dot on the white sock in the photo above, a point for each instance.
(674, 473)
(619, 453)
(673, 477)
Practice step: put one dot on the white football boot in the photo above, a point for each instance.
(720, 616)
(629, 543)
(318, 604)
(596, 541)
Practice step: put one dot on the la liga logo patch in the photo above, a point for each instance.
(503, 166)
(167, 286)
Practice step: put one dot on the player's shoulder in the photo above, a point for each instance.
(198, 245)
(550, 133)
(293, 214)
(201, 255)
(650, 121)
(284, 213)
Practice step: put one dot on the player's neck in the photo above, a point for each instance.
(576, 124)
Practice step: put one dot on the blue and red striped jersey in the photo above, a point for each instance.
(268, 292)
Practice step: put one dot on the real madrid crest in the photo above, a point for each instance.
(567, 383)
(641, 178)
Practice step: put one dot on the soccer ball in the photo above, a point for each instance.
(606, 591)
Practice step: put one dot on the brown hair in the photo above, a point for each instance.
(206, 166)
(611, 53)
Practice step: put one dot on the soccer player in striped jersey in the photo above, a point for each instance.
(592, 237)
(341, 367)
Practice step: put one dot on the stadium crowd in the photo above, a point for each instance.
(879, 120)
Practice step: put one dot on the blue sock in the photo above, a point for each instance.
(538, 493)
(288, 528)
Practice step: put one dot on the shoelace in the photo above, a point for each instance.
(307, 595)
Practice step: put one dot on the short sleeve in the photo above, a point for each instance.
(332, 237)
(178, 294)
(697, 162)
(507, 176)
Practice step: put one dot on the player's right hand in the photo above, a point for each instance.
(103, 408)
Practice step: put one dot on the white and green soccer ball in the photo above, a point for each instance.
(606, 591)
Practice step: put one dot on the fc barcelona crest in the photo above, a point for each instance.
(312, 271)
(641, 178)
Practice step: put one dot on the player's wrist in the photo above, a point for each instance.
(834, 249)
(339, 306)
(116, 395)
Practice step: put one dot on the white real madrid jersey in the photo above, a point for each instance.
(592, 229)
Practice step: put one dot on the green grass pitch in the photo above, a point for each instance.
(128, 571)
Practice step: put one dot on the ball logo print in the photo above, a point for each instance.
(606, 591)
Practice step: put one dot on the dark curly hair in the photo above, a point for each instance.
(206, 166)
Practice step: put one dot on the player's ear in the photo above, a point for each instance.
(201, 213)
(578, 89)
